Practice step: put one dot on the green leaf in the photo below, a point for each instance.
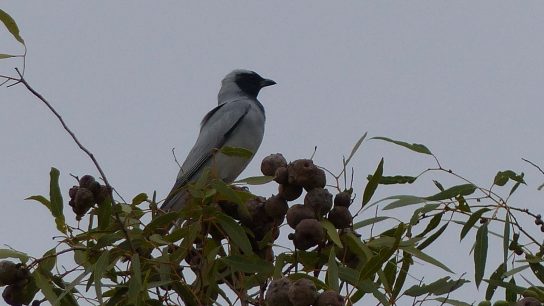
(160, 221)
(433, 237)
(480, 254)
(502, 177)
(44, 283)
(506, 239)
(441, 286)
(472, 220)
(135, 283)
(369, 221)
(255, 180)
(372, 183)
(236, 151)
(41, 199)
(331, 232)
(514, 271)
(419, 254)
(139, 199)
(104, 213)
(419, 148)
(355, 148)
(48, 262)
(11, 26)
(511, 295)
(538, 269)
(435, 221)
(226, 191)
(403, 272)
(332, 271)
(235, 232)
(2, 55)
(99, 268)
(55, 197)
(497, 276)
(453, 302)
(463, 190)
(397, 179)
(248, 264)
(403, 200)
(10, 253)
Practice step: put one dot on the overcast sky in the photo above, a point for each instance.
(134, 78)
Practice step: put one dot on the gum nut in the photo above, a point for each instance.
(297, 213)
(229, 208)
(72, 192)
(94, 187)
(257, 214)
(8, 272)
(342, 199)
(302, 292)
(308, 233)
(86, 180)
(340, 217)
(281, 176)
(277, 292)
(84, 198)
(289, 192)
(271, 163)
(528, 301)
(13, 295)
(276, 206)
(102, 195)
(330, 298)
(303, 172)
(319, 199)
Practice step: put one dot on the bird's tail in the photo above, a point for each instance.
(176, 200)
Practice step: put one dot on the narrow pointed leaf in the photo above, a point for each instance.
(140, 198)
(135, 283)
(331, 232)
(372, 183)
(480, 254)
(403, 200)
(355, 148)
(2, 55)
(419, 254)
(236, 151)
(397, 179)
(332, 271)
(369, 221)
(472, 220)
(506, 239)
(463, 190)
(433, 237)
(55, 197)
(41, 199)
(498, 275)
(256, 180)
(11, 26)
(10, 253)
(416, 147)
(453, 302)
(235, 232)
(45, 285)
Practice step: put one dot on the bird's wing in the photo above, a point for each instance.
(214, 132)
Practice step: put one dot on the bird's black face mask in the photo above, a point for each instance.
(251, 83)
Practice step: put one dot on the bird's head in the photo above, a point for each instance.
(244, 82)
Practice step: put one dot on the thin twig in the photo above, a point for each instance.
(84, 149)
(533, 164)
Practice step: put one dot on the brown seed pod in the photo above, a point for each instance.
(229, 208)
(320, 200)
(304, 173)
(308, 233)
(340, 216)
(13, 295)
(528, 301)
(281, 176)
(302, 292)
(330, 298)
(342, 199)
(276, 207)
(297, 213)
(8, 272)
(72, 192)
(271, 163)
(86, 180)
(277, 292)
(289, 192)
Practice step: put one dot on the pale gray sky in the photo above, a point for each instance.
(134, 78)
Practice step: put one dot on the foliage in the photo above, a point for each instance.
(132, 253)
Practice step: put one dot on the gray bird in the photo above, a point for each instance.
(238, 121)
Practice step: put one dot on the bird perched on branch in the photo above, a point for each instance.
(238, 121)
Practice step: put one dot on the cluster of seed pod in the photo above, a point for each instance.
(302, 292)
(86, 195)
(293, 178)
(15, 277)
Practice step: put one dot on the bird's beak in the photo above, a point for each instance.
(267, 82)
